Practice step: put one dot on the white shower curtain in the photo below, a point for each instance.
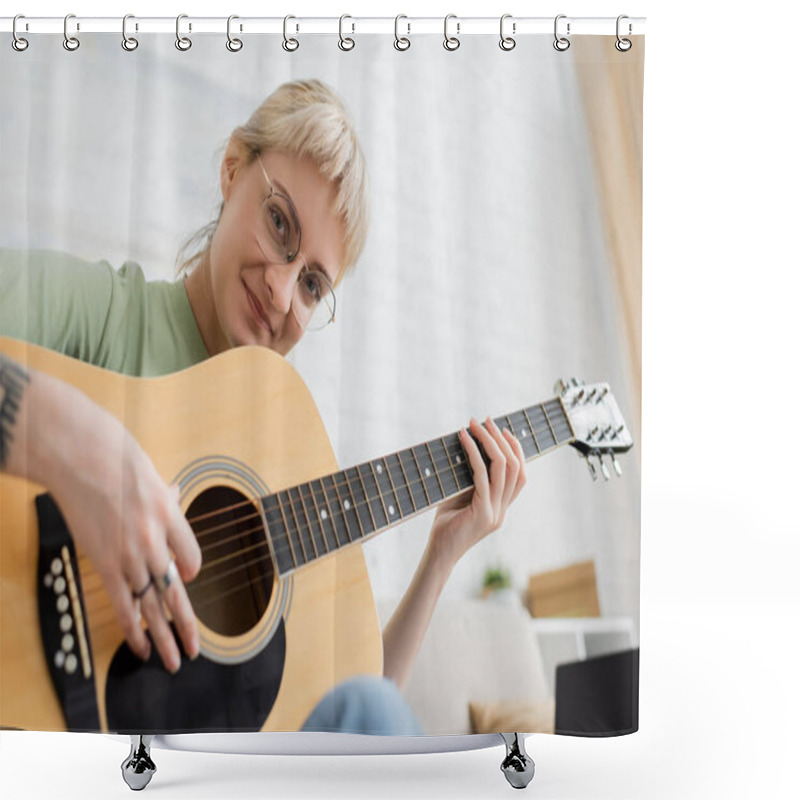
(491, 270)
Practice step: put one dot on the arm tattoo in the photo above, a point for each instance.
(13, 379)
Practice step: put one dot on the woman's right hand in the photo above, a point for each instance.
(120, 512)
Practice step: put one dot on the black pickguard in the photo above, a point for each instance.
(204, 696)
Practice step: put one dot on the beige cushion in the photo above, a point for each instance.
(513, 716)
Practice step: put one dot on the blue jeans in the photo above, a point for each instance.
(364, 704)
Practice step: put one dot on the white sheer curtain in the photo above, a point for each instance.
(486, 275)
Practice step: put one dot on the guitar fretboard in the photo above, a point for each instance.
(314, 519)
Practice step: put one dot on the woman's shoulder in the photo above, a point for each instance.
(46, 295)
(54, 262)
(57, 270)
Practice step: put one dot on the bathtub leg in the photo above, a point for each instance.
(518, 766)
(138, 768)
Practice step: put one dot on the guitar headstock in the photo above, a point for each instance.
(597, 423)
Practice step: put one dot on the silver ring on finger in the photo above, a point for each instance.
(169, 577)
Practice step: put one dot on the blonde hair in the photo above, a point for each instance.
(306, 119)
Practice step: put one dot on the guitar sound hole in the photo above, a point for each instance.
(232, 591)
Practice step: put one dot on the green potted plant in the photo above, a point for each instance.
(497, 585)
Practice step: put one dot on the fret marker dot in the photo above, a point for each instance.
(62, 604)
(59, 659)
(391, 510)
(524, 432)
(458, 459)
(324, 514)
(347, 504)
(379, 469)
(48, 580)
(427, 472)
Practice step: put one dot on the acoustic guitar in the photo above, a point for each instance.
(283, 599)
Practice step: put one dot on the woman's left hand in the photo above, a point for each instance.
(465, 520)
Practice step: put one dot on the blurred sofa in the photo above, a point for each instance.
(479, 670)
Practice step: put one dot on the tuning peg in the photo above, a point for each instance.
(603, 467)
(574, 381)
(602, 394)
(618, 431)
(560, 387)
(578, 397)
(591, 394)
(592, 470)
(617, 467)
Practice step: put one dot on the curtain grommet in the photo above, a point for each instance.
(401, 43)
(183, 43)
(234, 45)
(561, 43)
(623, 45)
(289, 44)
(71, 43)
(507, 43)
(346, 43)
(129, 43)
(451, 43)
(18, 42)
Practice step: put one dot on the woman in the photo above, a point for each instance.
(292, 222)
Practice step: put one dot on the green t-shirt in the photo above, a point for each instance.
(112, 318)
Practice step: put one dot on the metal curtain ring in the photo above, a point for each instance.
(71, 43)
(346, 42)
(18, 43)
(289, 45)
(401, 42)
(234, 45)
(129, 44)
(507, 42)
(170, 576)
(451, 42)
(561, 43)
(623, 45)
(183, 43)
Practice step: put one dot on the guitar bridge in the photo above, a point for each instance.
(62, 620)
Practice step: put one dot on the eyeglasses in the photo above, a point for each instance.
(313, 300)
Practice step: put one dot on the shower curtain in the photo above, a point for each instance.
(500, 278)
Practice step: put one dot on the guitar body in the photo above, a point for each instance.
(230, 430)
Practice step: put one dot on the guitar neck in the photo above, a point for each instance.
(314, 519)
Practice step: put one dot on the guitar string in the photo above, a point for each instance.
(212, 579)
(440, 467)
(319, 497)
(337, 516)
(316, 495)
(199, 604)
(457, 451)
(340, 515)
(99, 623)
(382, 496)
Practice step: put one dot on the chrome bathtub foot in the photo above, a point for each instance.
(138, 768)
(517, 766)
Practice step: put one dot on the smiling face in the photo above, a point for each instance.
(240, 293)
